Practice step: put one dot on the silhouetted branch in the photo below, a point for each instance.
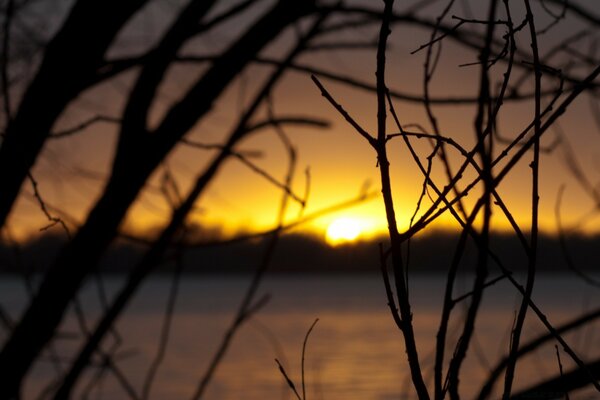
(560, 369)
(483, 148)
(337, 77)
(431, 214)
(574, 167)
(562, 239)
(341, 46)
(533, 345)
(240, 318)
(166, 327)
(303, 355)
(289, 120)
(224, 16)
(4, 60)
(532, 253)
(391, 302)
(557, 386)
(577, 9)
(257, 126)
(246, 309)
(438, 38)
(556, 18)
(429, 69)
(83, 125)
(273, 181)
(343, 112)
(487, 284)
(379, 145)
(288, 380)
(61, 76)
(362, 197)
(107, 363)
(53, 220)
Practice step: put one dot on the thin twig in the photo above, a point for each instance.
(532, 254)
(303, 354)
(166, 327)
(562, 240)
(288, 380)
(83, 125)
(53, 220)
(391, 302)
(379, 145)
(533, 345)
(342, 111)
(560, 369)
(246, 308)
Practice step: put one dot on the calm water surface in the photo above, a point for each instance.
(354, 352)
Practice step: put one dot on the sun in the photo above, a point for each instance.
(344, 230)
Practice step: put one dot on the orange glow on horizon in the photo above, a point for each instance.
(364, 221)
(346, 230)
(239, 201)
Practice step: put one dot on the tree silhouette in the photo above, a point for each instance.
(67, 69)
(139, 152)
(487, 109)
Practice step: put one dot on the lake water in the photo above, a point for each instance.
(354, 352)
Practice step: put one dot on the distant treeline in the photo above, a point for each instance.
(302, 253)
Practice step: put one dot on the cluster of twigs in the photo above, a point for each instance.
(141, 150)
(449, 199)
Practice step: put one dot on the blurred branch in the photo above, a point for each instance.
(246, 309)
(4, 60)
(166, 326)
(289, 120)
(566, 382)
(335, 46)
(53, 220)
(562, 239)
(288, 380)
(83, 125)
(260, 125)
(164, 138)
(336, 77)
(531, 346)
(343, 112)
(303, 355)
(560, 368)
(112, 68)
(578, 10)
(483, 123)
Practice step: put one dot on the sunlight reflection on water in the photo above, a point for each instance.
(355, 351)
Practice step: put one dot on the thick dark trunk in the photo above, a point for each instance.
(133, 164)
(137, 275)
(67, 69)
(45, 312)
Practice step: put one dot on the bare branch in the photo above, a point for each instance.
(53, 220)
(343, 112)
(83, 125)
(288, 380)
(303, 354)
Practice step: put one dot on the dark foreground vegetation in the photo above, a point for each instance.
(537, 57)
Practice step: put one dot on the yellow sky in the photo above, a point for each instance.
(71, 171)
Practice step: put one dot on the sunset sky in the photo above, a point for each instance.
(72, 171)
